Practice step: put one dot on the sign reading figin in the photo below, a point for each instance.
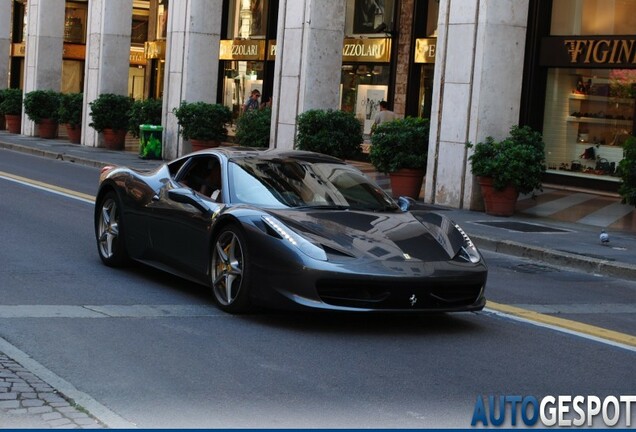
(589, 52)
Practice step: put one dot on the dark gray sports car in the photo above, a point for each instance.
(287, 229)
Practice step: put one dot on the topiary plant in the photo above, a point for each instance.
(42, 104)
(203, 121)
(142, 112)
(398, 144)
(332, 132)
(11, 101)
(110, 111)
(70, 109)
(517, 160)
(253, 128)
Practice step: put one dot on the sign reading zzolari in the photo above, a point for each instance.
(589, 51)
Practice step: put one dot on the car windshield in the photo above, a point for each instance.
(293, 183)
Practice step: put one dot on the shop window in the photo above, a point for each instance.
(365, 17)
(363, 86)
(247, 19)
(162, 19)
(75, 23)
(593, 17)
(240, 79)
(139, 28)
(588, 115)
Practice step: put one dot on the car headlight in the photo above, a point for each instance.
(304, 245)
(468, 251)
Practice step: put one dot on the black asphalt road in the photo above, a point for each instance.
(155, 350)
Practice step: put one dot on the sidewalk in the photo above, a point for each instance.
(555, 242)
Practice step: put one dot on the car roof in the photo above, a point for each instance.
(269, 154)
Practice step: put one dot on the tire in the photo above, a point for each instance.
(109, 231)
(229, 271)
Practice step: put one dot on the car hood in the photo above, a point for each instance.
(402, 236)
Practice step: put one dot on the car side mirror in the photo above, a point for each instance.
(406, 203)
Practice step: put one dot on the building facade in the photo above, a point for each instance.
(474, 67)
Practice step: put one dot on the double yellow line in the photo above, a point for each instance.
(524, 314)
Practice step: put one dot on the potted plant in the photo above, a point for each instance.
(70, 114)
(203, 124)
(109, 113)
(11, 107)
(145, 123)
(41, 106)
(627, 172)
(253, 128)
(400, 148)
(332, 132)
(508, 167)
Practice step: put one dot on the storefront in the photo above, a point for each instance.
(366, 58)
(74, 54)
(587, 69)
(248, 52)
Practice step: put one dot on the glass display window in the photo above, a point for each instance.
(367, 17)
(588, 115)
(362, 87)
(75, 22)
(247, 19)
(162, 19)
(240, 79)
(593, 17)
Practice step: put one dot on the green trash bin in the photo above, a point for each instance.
(150, 141)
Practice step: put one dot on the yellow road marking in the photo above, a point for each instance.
(48, 186)
(576, 326)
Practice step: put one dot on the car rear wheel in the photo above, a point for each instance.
(229, 271)
(109, 231)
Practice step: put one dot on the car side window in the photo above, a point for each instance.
(203, 175)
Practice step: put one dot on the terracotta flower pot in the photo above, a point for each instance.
(203, 144)
(14, 123)
(114, 139)
(47, 128)
(407, 182)
(498, 203)
(74, 134)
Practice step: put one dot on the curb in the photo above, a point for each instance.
(559, 259)
(52, 155)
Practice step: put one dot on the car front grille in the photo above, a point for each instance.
(383, 295)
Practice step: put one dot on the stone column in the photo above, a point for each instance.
(308, 63)
(44, 47)
(477, 90)
(107, 56)
(5, 42)
(192, 63)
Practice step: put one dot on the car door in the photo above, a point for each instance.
(182, 218)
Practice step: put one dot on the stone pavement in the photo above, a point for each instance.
(25, 401)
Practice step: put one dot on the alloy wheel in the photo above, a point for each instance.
(227, 268)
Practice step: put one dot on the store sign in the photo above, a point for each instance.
(137, 57)
(74, 52)
(376, 50)
(18, 49)
(588, 51)
(425, 50)
(242, 50)
(155, 49)
(271, 50)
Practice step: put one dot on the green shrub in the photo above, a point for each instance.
(203, 121)
(332, 132)
(627, 171)
(70, 109)
(11, 101)
(398, 144)
(110, 111)
(42, 104)
(253, 128)
(517, 160)
(147, 112)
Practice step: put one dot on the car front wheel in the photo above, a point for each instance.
(229, 271)
(109, 231)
